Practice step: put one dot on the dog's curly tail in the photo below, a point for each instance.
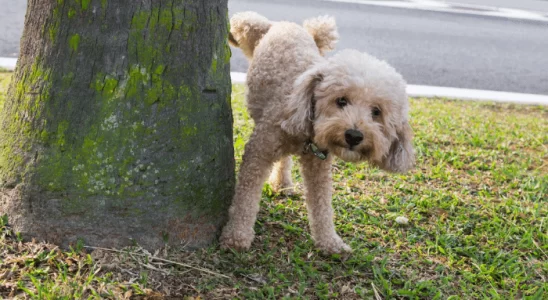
(324, 31)
(246, 30)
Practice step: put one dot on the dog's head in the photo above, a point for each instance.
(356, 107)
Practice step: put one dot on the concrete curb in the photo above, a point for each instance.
(480, 95)
(412, 90)
(453, 93)
(453, 7)
(8, 63)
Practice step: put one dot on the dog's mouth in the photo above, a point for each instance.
(350, 153)
(361, 149)
(366, 152)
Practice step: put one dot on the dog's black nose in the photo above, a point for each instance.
(353, 137)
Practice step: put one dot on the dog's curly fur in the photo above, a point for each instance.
(351, 105)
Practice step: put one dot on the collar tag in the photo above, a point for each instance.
(316, 151)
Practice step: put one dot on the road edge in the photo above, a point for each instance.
(412, 90)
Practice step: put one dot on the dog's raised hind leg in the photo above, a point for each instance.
(280, 178)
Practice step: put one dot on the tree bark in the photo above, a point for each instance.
(117, 127)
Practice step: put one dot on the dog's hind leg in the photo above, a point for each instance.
(280, 178)
(261, 151)
(318, 191)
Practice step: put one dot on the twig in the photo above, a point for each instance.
(535, 243)
(377, 296)
(164, 260)
(149, 266)
(128, 271)
(380, 205)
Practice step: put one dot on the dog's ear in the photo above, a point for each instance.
(401, 156)
(299, 111)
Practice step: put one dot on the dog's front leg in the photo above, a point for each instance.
(318, 191)
(261, 151)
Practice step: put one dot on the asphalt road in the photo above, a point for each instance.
(428, 48)
(12, 17)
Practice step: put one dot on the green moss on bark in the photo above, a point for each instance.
(139, 133)
(54, 26)
(74, 41)
(84, 4)
(103, 165)
(71, 13)
(18, 132)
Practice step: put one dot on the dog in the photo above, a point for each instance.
(350, 105)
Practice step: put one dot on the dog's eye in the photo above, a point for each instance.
(342, 102)
(376, 112)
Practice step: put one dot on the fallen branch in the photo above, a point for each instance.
(162, 260)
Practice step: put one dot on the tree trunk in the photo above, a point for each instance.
(117, 127)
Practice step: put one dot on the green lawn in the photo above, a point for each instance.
(477, 205)
(4, 81)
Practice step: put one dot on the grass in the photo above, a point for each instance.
(4, 81)
(476, 204)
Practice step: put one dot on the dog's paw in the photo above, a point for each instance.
(333, 245)
(236, 239)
